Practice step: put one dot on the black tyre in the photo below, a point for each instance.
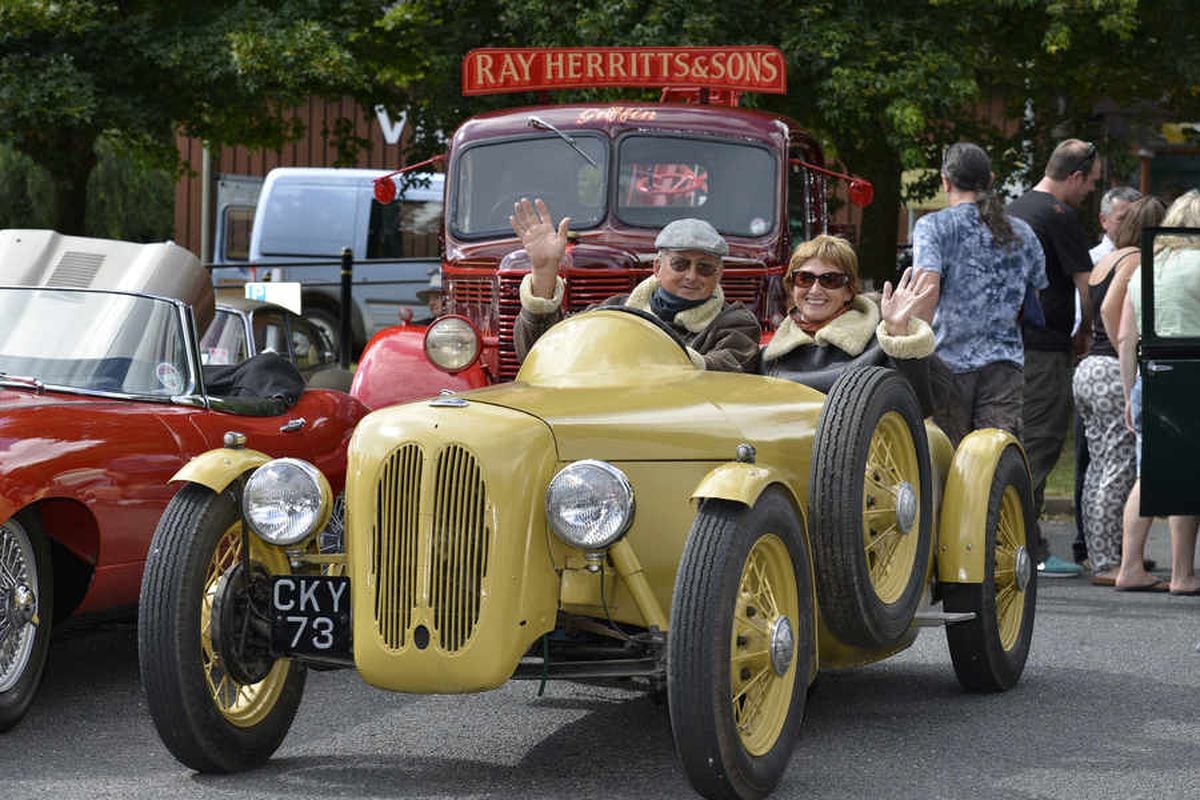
(328, 322)
(740, 651)
(869, 507)
(26, 614)
(989, 652)
(331, 378)
(219, 703)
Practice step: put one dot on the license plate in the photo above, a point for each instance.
(310, 615)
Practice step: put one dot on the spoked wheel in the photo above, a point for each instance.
(870, 495)
(220, 702)
(26, 611)
(989, 652)
(740, 646)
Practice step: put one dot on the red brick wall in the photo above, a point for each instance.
(313, 150)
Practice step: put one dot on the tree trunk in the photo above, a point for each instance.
(69, 157)
(877, 235)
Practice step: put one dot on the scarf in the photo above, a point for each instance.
(811, 328)
(666, 305)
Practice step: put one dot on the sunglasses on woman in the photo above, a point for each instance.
(828, 280)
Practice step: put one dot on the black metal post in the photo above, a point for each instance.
(347, 279)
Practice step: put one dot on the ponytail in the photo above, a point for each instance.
(991, 211)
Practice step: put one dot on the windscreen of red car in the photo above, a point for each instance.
(94, 342)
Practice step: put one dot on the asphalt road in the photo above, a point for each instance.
(1109, 707)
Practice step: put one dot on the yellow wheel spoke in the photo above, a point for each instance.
(886, 540)
(756, 626)
(879, 512)
(240, 704)
(746, 654)
(760, 698)
(754, 693)
(877, 487)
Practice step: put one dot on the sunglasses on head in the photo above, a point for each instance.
(1085, 160)
(828, 280)
(704, 268)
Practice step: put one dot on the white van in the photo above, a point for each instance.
(309, 214)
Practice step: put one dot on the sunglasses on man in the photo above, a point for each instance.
(705, 267)
(828, 280)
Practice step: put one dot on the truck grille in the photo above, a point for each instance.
(452, 562)
(584, 288)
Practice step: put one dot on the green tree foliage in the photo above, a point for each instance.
(137, 72)
(125, 198)
(128, 200)
(26, 194)
(885, 85)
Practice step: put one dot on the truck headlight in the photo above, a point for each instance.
(452, 343)
(286, 501)
(589, 504)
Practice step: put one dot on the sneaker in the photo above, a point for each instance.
(1055, 567)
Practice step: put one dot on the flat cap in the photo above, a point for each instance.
(692, 234)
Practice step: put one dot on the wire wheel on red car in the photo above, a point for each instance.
(26, 613)
(989, 651)
(869, 507)
(219, 701)
(741, 649)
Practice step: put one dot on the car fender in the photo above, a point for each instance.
(218, 468)
(960, 550)
(742, 483)
(393, 369)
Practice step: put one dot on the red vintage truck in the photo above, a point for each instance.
(621, 171)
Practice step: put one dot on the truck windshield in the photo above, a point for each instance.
(492, 177)
(734, 186)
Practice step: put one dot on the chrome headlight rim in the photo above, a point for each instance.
(627, 505)
(453, 327)
(318, 494)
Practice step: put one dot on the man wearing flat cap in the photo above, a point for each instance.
(684, 291)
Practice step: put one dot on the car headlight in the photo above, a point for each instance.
(286, 501)
(452, 343)
(589, 504)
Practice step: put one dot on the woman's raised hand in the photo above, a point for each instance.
(897, 305)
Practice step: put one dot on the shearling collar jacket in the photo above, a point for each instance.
(856, 338)
(723, 336)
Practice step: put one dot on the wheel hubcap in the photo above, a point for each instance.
(1024, 569)
(906, 506)
(783, 645)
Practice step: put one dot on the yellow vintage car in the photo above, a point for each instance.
(614, 514)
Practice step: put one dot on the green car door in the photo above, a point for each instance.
(1169, 365)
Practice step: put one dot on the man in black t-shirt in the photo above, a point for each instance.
(1049, 208)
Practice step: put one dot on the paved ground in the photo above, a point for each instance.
(1107, 708)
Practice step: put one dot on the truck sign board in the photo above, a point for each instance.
(756, 68)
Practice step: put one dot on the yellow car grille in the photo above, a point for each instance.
(452, 561)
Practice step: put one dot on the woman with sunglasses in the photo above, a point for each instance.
(832, 326)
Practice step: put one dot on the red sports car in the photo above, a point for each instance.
(103, 398)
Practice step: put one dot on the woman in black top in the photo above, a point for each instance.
(1100, 401)
(831, 325)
